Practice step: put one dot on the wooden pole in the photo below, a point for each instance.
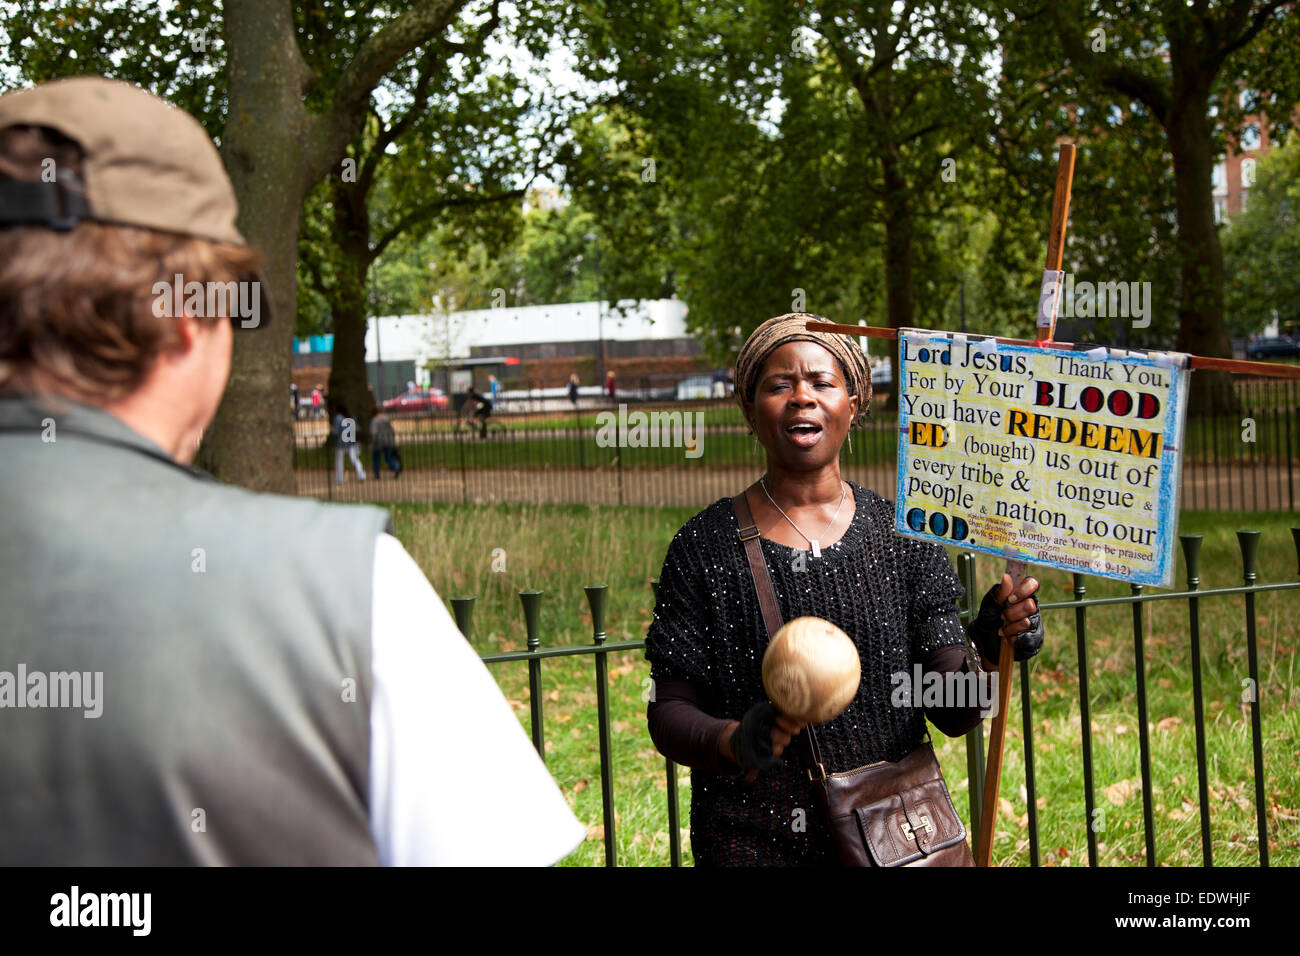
(1045, 326)
(1240, 366)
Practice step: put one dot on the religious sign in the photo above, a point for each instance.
(1061, 457)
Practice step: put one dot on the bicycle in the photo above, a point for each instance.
(464, 424)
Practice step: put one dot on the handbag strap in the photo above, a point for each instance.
(748, 533)
(771, 609)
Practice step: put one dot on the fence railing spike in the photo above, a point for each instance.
(1249, 542)
(596, 594)
(1192, 556)
(532, 602)
(463, 608)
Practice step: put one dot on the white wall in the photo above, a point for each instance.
(441, 335)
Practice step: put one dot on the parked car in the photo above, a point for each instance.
(418, 400)
(882, 373)
(1276, 346)
(697, 386)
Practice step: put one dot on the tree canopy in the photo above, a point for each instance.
(1261, 247)
(892, 163)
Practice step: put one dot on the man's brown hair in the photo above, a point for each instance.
(77, 306)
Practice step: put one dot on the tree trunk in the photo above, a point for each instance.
(1201, 329)
(348, 366)
(275, 152)
(250, 442)
(900, 304)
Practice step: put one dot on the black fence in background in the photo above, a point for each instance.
(690, 453)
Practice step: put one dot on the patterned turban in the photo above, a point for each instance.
(776, 332)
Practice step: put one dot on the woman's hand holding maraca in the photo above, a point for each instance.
(759, 740)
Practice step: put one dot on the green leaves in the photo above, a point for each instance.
(1261, 247)
(177, 53)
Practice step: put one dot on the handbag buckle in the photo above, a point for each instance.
(821, 768)
(909, 831)
(745, 536)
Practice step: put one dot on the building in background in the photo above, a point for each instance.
(645, 344)
(1234, 174)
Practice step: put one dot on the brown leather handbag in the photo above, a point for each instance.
(883, 814)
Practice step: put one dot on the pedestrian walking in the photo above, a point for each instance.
(383, 441)
(345, 438)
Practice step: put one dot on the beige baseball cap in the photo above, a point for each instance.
(147, 163)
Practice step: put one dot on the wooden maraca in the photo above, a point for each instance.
(811, 670)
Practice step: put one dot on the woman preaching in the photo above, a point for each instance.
(833, 553)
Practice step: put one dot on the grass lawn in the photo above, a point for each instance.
(558, 549)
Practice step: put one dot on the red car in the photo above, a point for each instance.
(418, 400)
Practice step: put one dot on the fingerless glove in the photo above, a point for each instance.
(751, 744)
(983, 631)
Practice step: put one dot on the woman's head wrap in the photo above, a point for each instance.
(776, 332)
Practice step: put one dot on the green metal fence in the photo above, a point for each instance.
(599, 650)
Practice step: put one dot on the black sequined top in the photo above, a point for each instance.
(896, 597)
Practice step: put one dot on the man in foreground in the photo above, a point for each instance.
(191, 673)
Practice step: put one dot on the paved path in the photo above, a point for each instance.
(1230, 488)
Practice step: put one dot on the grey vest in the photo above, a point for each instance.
(232, 632)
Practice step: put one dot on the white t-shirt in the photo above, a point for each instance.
(454, 780)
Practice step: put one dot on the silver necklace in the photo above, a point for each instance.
(817, 541)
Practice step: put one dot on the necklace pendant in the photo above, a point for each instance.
(817, 549)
